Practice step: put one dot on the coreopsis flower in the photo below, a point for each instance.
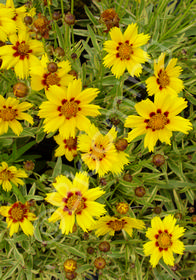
(164, 240)
(75, 201)
(110, 225)
(67, 147)
(11, 175)
(44, 77)
(157, 120)
(11, 110)
(99, 152)
(19, 14)
(124, 51)
(67, 108)
(21, 53)
(18, 215)
(7, 24)
(165, 80)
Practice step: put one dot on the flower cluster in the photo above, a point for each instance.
(66, 105)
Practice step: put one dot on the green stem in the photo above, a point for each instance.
(72, 7)
(18, 194)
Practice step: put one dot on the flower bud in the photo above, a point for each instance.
(28, 165)
(178, 216)
(127, 177)
(56, 15)
(110, 18)
(71, 275)
(28, 20)
(52, 67)
(104, 246)
(70, 265)
(191, 209)
(90, 250)
(59, 51)
(193, 218)
(121, 144)
(158, 160)
(69, 18)
(103, 181)
(20, 89)
(122, 208)
(74, 56)
(73, 73)
(157, 210)
(99, 263)
(140, 191)
(115, 121)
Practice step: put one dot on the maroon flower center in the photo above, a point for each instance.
(22, 49)
(74, 203)
(163, 79)
(69, 108)
(157, 120)
(163, 240)
(97, 151)
(6, 175)
(18, 212)
(117, 225)
(8, 114)
(70, 143)
(124, 50)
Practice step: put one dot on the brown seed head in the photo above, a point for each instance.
(127, 177)
(157, 210)
(28, 20)
(20, 89)
(52, 67)
(69, 18)
(191, 209)
(140, 191)
(59, 51)
(90, 250)
(110, 18)
(158, 160)
(121, 144)
(71, 275)
(99, 263)
(104, 246)
(28, 165)
(56, 15)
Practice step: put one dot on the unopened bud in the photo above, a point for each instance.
(70, 265)
(121, 144)
(100, 263)
(69, 18)
(127, 177)
(28, 20)
(122, 208)
(104, 246)
(56, 15)
(158, 160)
(52, 67)
(59, 51)
(140, 191)
(20, 89)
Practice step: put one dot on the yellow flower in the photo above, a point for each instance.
(99, 152)
(157, 120)
(109, 225)
(10, 175)
(164, 241)
(75, 201)
(7, 25)
(18, 215)
(67, 147)
(165, 80)
(67, 108)
(10, 112)
(124, 51)
(19, 14)
(21, 53)
(41, 77)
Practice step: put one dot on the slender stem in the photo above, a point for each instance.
(72, 7)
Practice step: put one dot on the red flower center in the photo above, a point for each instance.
(116, 225)
(6, 175)
(74, 203)
(157, 120)
(124, 50)
(163, 79)
(97, 151)
(70, 143)
(69, 108)
(163, 240)
(22, 49)
(8, 114)
(18, 212)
